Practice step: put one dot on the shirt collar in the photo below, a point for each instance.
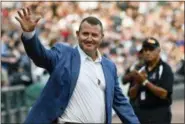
(84, 56)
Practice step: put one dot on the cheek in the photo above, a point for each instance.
(98, 40)
(145, 55)
(155, 55)
(82, 37)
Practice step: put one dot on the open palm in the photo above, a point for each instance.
(27, 20)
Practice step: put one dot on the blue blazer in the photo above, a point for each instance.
(63, 64)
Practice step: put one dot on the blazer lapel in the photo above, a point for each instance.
(106, 74)
(108, 90)
(75, 69)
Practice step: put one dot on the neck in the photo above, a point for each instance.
(93, 55)
(153, 64)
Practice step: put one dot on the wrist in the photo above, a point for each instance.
(145, 82)
(29, 35)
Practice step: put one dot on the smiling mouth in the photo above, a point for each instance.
(88, 44)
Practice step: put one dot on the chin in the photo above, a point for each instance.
(89, 49)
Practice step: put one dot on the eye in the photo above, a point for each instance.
(95, 35)
(85, 33)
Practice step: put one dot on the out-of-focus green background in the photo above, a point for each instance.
(125, 24)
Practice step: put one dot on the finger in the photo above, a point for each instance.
(19, 20)
(24, 12)
(20, 15)
(29, 11)
(38, 18)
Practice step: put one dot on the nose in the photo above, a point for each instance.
(89, 38)
(147, 52)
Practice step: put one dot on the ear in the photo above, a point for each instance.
(158, 50)
(102, 36)
(77, 33)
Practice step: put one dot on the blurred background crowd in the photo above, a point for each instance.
(125, 24)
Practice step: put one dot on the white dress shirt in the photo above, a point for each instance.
(87, 104)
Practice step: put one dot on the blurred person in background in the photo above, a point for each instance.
(154, 86)
(77, 91)
(104, 49)
(16, 66)
(8, 59)
(22, 74)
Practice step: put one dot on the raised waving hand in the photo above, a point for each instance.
(27, 19)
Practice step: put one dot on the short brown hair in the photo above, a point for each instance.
(93, 21)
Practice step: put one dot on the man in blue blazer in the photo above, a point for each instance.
(83, 85)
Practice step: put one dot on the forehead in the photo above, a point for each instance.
(150, 49)
(86, 27)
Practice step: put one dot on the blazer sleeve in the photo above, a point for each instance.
(41, 56)
(122, 106)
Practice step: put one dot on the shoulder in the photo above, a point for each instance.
(109, 63)
(166, 68)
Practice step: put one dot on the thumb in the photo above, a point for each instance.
(37, 19)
